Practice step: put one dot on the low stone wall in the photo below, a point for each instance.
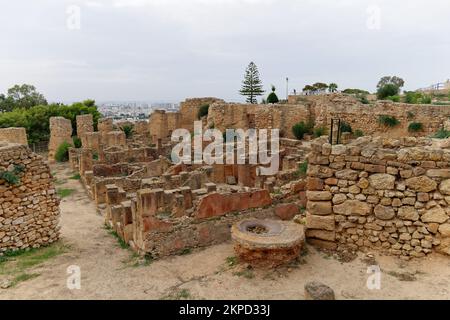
(14, 135)
(392, 195)
(29, 210)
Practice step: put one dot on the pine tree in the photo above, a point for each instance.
(251, 86)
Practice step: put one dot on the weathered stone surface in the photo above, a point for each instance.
(347, 174)
(286, 211)
(320, 222)
(318, 195)
(339, 198)
(353, 207)
(444, 229)
(318, 291)
(321, 234)
(382, 181)
(408, 213)
(435, 214)
(384, 212)
(421, 184)
(444, 187)
(319, 207)
(439, 173)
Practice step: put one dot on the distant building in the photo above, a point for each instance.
(440, 86)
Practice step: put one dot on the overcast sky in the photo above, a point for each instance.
(168, 50)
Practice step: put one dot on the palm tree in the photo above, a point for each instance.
(332, 87)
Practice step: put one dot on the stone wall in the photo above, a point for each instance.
(29, 210)
(189, 110)
(386, 194)
(60, 131)
(365, 116)
(244, 116)
(14, 135)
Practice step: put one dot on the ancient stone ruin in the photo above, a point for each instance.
(380, 193)
(14, 135)
(29, 206)
(60, 132)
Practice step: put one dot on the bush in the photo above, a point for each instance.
(300, 129)
(415, 127)
(442, 134)
(345, 127)
(358, 133)
(395, 98)
(10, 177)
(362, 98)
(320, 131)
(425, 100)
(356, 91)
(387, 90)
(128, 130)
(62, 153)
(302, 168)
(203, 111)
(36, 119)
(272, 97)
(388, 121)
(76, 142)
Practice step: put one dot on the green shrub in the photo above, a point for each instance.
(203, 111)
(362, 98)
(10, 177)
(387, 90)
(345, 127)
(62, 153)
(442, 134)
(425, 100)
(128, 130)
(302, 168)
(395, 98)
(95, 156)
(358, 133)
(300, 129)
(356, 91)
(389, 121)
(320, 131)
(36, 119)
(76, 142)
(272, 97)
(415, 127)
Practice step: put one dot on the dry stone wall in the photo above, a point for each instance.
(392, 195)
(29, 210)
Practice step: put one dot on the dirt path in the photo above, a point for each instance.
(110, 272)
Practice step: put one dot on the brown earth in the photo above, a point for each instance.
(110, 272)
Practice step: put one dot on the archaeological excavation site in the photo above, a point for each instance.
(121, 209)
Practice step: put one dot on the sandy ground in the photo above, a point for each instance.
(109, 272)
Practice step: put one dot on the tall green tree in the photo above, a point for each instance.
(272, 97)
(397, 81)
(252, 85)
(23, 96)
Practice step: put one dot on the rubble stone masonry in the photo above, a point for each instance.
(379, 193)
(29, 210)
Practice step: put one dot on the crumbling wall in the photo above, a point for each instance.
(14, 135)
(387, 194)
(29, 210)
(60, 131)
(85, 124)
(189, 110)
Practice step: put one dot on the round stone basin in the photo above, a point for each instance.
(267, 242)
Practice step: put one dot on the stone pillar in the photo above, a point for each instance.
(85, 124)
(105, 125)
(60, 131)
(86, 160)
(91, 140)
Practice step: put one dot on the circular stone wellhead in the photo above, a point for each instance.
(267, 243)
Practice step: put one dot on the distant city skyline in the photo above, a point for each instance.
(167, 51)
